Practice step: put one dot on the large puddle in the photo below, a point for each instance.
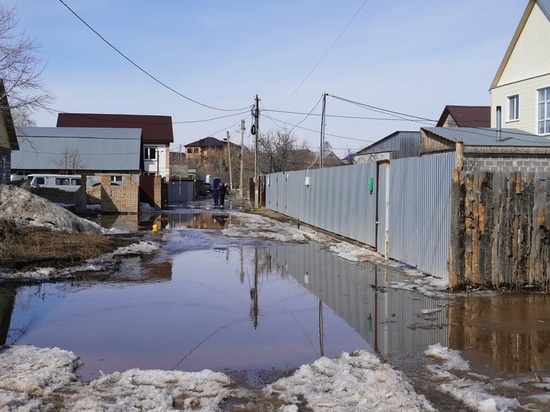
(263, 308)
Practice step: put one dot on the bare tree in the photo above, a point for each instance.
(70, 161)
(279, 152)
(20, 69)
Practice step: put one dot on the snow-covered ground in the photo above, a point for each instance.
(35, 379)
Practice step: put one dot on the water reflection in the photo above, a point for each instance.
(511, 331)
(238, 306)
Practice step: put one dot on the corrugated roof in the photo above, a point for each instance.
(156, 129)
(545, 7)
(472, 136)
(467, 116)
(101, 149)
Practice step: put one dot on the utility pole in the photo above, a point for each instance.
(229, 157)
(322, 152)
(256, 133)
(243, 127)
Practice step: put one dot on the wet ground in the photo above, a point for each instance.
(261, 309)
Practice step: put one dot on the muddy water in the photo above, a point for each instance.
(260, 309)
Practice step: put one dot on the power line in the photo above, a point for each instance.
(324, 55)
(145, 71)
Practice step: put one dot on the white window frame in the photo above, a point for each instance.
(150, 153)
(513, 108)
(543, 111)
(116, 178)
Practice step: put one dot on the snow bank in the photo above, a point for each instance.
(44, 379)
(26, 209)
(357, 381)
(474, 393)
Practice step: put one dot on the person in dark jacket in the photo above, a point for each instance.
(216, 195)
(224, 190)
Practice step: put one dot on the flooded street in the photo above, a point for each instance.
(258, 309)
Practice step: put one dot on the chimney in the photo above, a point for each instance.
(499, 123)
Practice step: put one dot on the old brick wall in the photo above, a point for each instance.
(120, 199)
(500, 229)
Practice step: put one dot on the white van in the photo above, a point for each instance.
(69, 183)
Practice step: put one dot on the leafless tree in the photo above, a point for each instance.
(70, 161)
(20, 69)
(280, 152)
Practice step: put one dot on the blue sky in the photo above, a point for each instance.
(412, 57)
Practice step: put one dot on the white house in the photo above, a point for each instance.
(521, 87)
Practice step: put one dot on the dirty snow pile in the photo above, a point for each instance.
(261, 227)
(26, 209)
(356, 381)
(470, 391)
(44, 379)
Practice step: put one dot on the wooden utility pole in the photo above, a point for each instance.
(322, 151)
(229, 159)
(243, 127)
(256, 133)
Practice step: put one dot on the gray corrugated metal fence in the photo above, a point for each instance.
(344, 200)
(180, 191)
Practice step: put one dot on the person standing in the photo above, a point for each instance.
(223, 191)
(216, 195)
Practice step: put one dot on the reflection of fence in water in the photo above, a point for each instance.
(389, 320)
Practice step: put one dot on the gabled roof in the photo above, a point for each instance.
(466, 116)
(207, 142)
(471, 136)
(156, 129)
(400, 144)
(100, 149)
(545, 7)
(7, 120)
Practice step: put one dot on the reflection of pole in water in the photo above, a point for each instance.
(375, 308)
(241, 277)
(386, 315)
(254, 293)
(321, 333)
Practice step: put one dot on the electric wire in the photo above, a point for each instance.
(324, 55)
(143, 70)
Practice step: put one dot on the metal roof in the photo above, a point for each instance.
(156, 129)
(400, 144)
(473, 136)
(101, 149)
(467, 116)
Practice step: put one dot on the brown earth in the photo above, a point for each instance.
(25, 248)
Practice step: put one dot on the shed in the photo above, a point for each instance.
(397, 145)
(8, 138)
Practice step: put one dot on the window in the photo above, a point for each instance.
(513, 107)
(150, 153)
(196, 150)
(65, 181)
(544, 111)
(189, 150)
(116, 178)
(75, 182)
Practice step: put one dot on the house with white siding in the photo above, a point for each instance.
(521, 87)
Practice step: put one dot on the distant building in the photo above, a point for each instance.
(394, 146)
(203, 147)
(157, 135)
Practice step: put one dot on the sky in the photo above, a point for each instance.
(203, 62)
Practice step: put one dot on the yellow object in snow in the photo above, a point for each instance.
(155, 228)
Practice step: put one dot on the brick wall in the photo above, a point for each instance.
(120, 199)
(508, 163)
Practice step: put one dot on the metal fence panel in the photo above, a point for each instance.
(179, 192)
(344, 200)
